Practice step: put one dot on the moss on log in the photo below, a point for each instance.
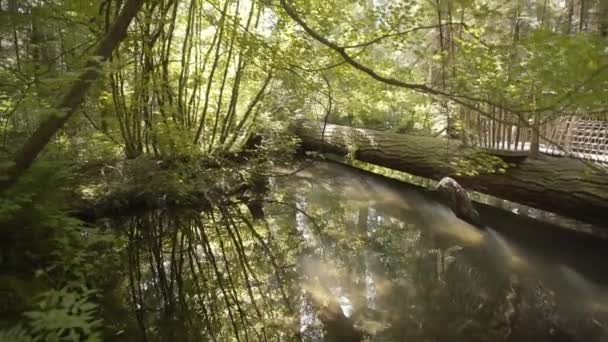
(564, 186)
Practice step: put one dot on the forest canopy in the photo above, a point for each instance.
(200, 75)
(107, 106)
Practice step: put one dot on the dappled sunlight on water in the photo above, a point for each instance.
(344, 256)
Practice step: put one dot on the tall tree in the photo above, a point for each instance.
(72, 100)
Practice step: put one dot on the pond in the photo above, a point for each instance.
(343, 255)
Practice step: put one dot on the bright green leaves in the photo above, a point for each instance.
(541, 69)
(67, 314)
(478, 163)
(565, 70)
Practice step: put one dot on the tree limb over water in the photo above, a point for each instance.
(560, 185)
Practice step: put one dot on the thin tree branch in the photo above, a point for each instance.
(396, 34)
(72, 100)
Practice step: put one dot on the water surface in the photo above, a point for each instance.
(342, 255)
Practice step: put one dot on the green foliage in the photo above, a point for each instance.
(173, 142)
(31, 200)
(55, 255)
(180, 100)
(479, 163)
(553, 69)
(16, 334)
(65, 315)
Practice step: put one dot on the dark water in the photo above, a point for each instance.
(345, 256)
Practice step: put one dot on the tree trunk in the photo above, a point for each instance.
(581, 23)
(560, 185)
(603, 14)
(570, 15)
(535, 141)
(70, 103)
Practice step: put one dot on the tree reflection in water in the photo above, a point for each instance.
(340, 257)
(200, 276)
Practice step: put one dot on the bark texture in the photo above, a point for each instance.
(564, 186)
(458, 200)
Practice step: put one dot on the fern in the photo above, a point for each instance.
(15, 334)
(65, 315)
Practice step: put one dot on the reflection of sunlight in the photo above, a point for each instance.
(343, 301)
(308, 319)
(576, 279)
(301, 221)
(370, 285)
(392, 198)
(321, 285)
(378, 274)
(446, 223)
(598, 302)
(590, 296)
(373, 220)
(513, 258)
(306, 314)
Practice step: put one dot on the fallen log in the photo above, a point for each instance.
(564, 186)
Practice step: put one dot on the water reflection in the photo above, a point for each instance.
(342, 256)
(209, 276)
